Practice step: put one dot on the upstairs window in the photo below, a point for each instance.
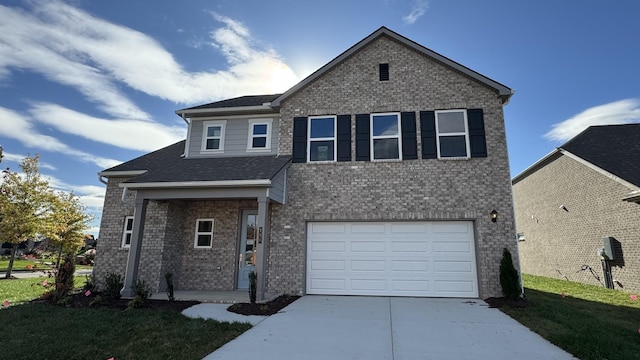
(452, 134)
(213, 136)
(386, 140)
(259, 135)
(204, 233)
(322, 138)
(127, 232)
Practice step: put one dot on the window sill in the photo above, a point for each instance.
(211, 151)
(386, 160)
(259, 150)
(203, 247)
(322, 162)
(454, 158)
(124, 248)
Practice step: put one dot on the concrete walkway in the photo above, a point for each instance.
(349, 327)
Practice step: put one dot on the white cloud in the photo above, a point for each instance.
(18, 127)
(123, 133)
(617, 112)
(18, 159)
(91, 196)
(417, 10)
(72, 47)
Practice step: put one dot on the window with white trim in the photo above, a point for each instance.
(386, 136)
(204, 234)
(322, 138)
(259, 135)
(127, 232)
(213, 136)
(452, 133)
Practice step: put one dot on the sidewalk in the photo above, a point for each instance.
(39, 273)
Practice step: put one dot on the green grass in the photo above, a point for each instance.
(54, 332)
(590, 322)
(22, 264)
(17, 291)
(40, 331)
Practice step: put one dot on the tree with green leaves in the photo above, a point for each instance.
(509, 277)
(66, 223)
(25, 200)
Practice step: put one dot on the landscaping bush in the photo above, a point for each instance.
(253, 283)
(509, 278)
(141, 294)
(64, 278)
(113, 284)
(168, 276)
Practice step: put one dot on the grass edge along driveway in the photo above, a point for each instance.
(590, 322)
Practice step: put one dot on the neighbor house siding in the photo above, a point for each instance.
(559, 243)
(235, 139)
(398, 190)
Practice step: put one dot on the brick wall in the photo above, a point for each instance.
(557, 242)
(407, 190)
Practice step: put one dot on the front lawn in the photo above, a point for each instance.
(590, 322)
(23, 264)
(42, 331)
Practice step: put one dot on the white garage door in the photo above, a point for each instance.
(435, 258)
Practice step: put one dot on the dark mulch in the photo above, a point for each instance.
(96, 300)
(267, 308)
(498, 302)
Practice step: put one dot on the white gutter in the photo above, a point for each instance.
(122, 173)
(100, 178)
(197, 184)
(264, 107)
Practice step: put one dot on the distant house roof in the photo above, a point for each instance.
(612, 148)
(502, 91)
(168, 165)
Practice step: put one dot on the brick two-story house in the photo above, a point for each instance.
(375, 175)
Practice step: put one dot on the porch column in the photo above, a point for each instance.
(263, 239)
(131, 274)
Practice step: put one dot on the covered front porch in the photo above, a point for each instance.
(208, 234)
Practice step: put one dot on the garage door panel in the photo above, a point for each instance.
(410, 265)
(368, 246)
(368, 265)
(392, 259)
(410, 285)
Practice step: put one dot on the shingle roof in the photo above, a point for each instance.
(251, 100)
(614, 148)
(167, 165)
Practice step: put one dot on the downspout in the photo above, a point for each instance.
(100, 178)
(125, 192)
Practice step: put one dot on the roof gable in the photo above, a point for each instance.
(614, 148)
(503, 91)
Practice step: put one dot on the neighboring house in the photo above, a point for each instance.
(566, 203)
(375, 175)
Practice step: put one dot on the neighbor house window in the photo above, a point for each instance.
(259, 135)
(322, 138)
(452, 133)
(385, 136)
(204, 233)
(213, 136)
(127, 232)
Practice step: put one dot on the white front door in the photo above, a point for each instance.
(246, 255)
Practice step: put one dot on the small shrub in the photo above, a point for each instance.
(253, 285)
(509, 278)
(168, 276)
(89, 283)
(142, 293)
(112, 285)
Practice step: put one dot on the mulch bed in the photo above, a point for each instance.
(498, 302)
(267, 308)
(96, 300)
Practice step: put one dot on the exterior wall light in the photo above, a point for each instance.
(494, 216)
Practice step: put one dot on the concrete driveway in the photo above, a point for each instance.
(350, 327)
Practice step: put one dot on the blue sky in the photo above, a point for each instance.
(88, 84)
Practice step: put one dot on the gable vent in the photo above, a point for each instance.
(384, 72)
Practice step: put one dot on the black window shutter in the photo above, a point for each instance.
(409, 136)
(344, 137)
(428, 134)
(477, 140)
(362, 137)
(299, 140)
